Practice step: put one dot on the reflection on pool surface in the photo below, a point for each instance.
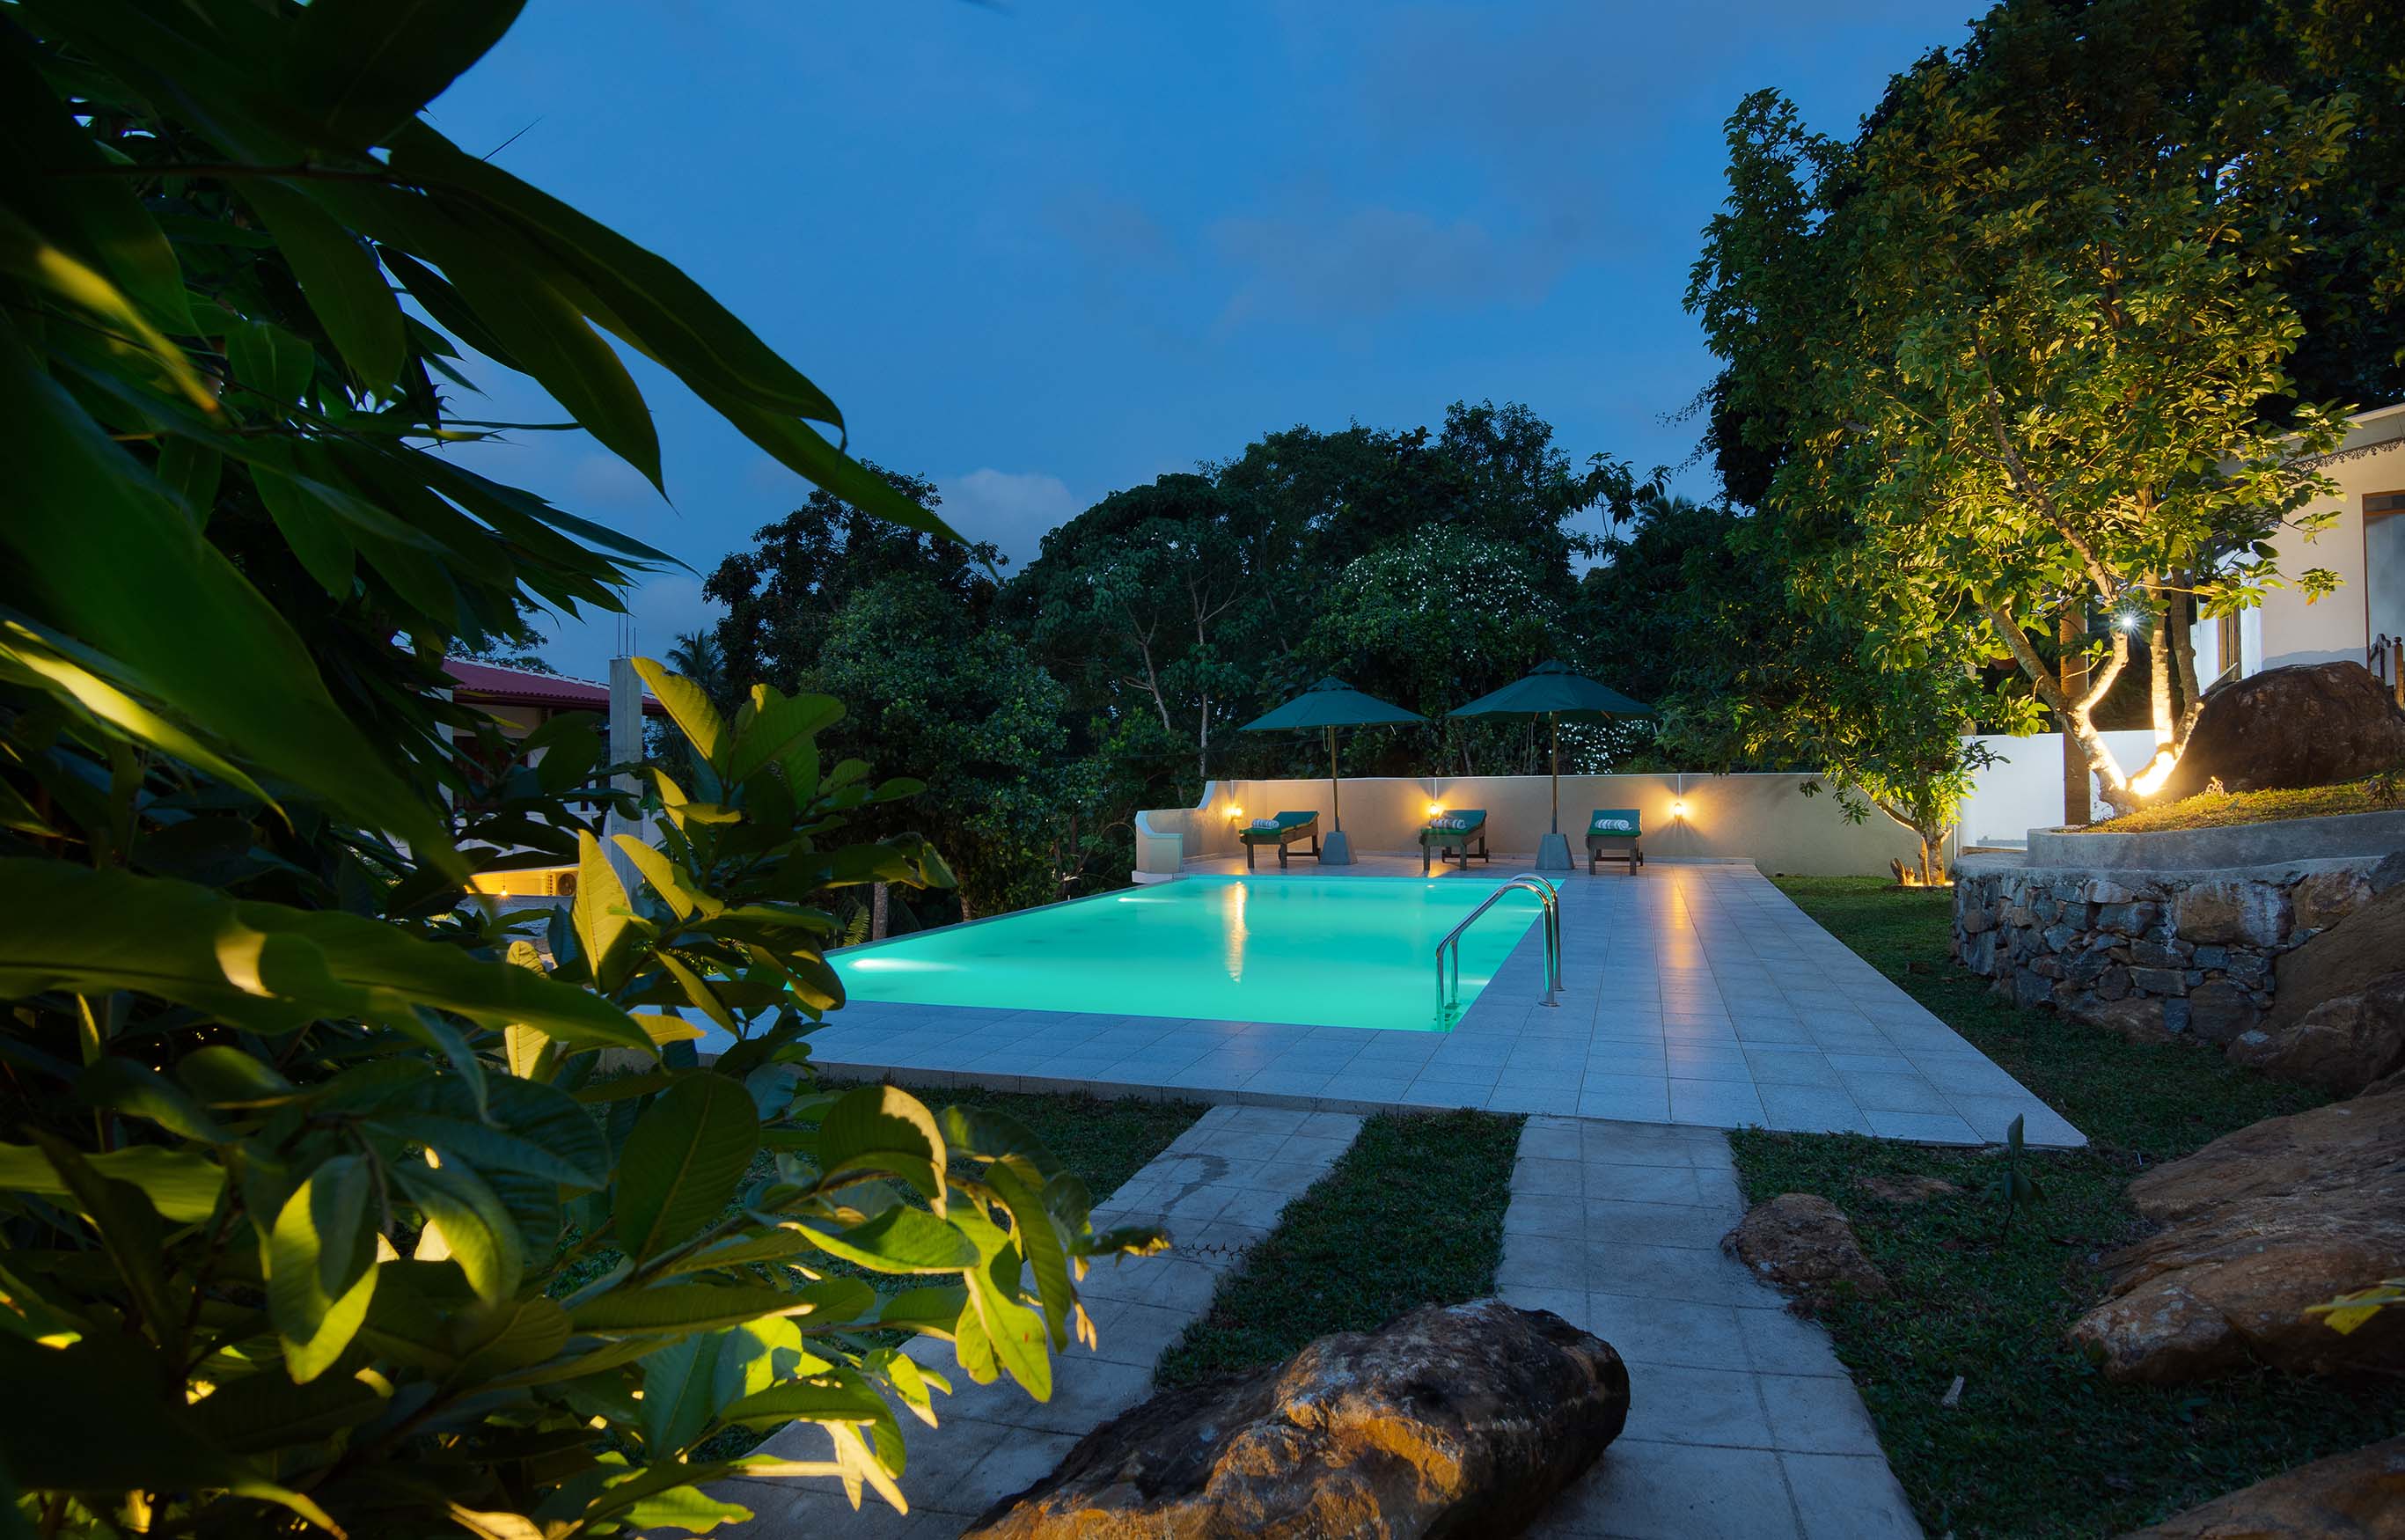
(1312, 952)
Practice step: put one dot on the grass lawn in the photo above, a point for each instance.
(2040, 1444)
(1411, 1215)
(2217, 809)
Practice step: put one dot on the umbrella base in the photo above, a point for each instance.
(1553, 854)
(1335, 850)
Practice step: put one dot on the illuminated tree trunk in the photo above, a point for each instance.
(2075, 713)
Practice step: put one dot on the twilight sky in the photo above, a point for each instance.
(1042, 251)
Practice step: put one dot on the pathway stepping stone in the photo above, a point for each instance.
(1741, 1422)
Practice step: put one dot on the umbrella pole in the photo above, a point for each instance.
(1335, 789)
(1554, 723)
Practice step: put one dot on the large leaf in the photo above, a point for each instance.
(315, 1322)
(182, 1184)
(676, 1308)
(688, 707)
(901, 1240)
(883, 1128)
(682, 1164)
(681, 1391)
(57, 178)
(99, 550)
(262, 965)
(476, 1230)
(363, 68)
(338, 275)
(536, 1129)
(601, 910)
(776, 722)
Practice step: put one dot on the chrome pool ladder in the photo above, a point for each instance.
(1552, 900)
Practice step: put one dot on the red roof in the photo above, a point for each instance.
(489, 681)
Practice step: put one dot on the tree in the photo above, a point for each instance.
(314, 1205)
(782, 595)
(930, 688)
(1138, 594)
(2020, 337)
(1395, 623)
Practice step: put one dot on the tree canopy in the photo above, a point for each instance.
(2022, 348)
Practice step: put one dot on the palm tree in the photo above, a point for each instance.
(696, 655)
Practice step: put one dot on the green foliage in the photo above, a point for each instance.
(319, 1205)
(380, 1167)
(1113, 672)
(2041, 1444)
(2014, 1186)
(1356, 1249)
(2020, 346)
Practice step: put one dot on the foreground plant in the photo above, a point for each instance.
(326, 1212)
(319, 1206)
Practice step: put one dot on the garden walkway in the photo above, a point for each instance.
(1741, 1422)
(1695, 994)
(1218, 1188)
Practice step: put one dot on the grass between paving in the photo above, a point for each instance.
(2041, 1443)
(2220, 809)
(1411, 1215)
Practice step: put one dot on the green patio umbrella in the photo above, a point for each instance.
(1331, 704)
(1550, 690)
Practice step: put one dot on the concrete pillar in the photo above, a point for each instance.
(626, 745)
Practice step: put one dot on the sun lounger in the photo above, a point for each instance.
(1449, 836)
(1281, 831)
(1612, 835)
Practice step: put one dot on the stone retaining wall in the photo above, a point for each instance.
(2146, 954)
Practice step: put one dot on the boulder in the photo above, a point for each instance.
(2357, 1496)
(2256, 1226)
(2342, 960)
(1461, 1420)
(1801, 1241)
(2341, 1045)
(2227, 911)
(2309, 726)
(2324, 899)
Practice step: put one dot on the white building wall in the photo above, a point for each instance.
(2023, 789)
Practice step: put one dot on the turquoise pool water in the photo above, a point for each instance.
(1311, 952)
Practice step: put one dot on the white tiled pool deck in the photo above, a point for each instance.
(1692, 993)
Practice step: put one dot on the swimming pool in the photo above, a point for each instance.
(1308, 952)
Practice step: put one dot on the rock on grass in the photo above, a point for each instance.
(2357, 1496)
(1462, 1420)
(2257, 1226)
(1801, 1241)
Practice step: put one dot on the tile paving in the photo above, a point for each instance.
(1693, 994)
(1741, 1421)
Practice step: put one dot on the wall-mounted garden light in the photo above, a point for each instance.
(1679, 807)
(1234, 813)
(1436, 809)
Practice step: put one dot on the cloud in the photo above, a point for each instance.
(1012, 509)
(1374, 260)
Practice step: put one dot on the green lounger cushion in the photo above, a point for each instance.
(1264, 830)
(1613, 823)
(1459, 823)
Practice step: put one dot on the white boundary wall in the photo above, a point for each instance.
(2023, 789)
